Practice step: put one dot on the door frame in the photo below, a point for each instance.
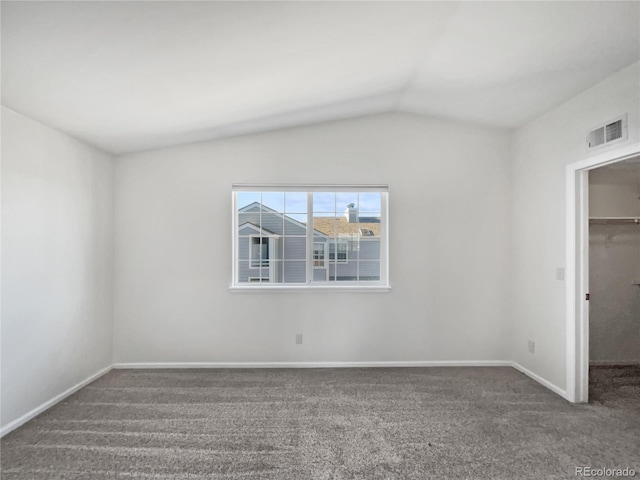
(577, 267)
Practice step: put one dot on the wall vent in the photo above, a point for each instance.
(603, 135)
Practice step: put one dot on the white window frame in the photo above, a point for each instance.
(356, 286)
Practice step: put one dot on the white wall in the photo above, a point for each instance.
(57, 256)
(449, 247)
(541, 150)
(614, 265)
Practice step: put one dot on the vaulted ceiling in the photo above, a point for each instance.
(128, 76)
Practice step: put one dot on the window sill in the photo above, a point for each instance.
(311, 288)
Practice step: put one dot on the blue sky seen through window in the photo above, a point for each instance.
(325, 204)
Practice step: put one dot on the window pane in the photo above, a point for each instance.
(295, 202)
(369, 248)
(295, 224)
(346, 272)
(243, 248)
(324, 202)
(249, 222)
(243, 271)
(272, 223)
(319, 255)
(324, 225)
(320, 274)
(369, 224)
(342, 248)
(295, 248)
(370, 202)
(295, 272)
(247, 198)
(259, 251)
(273, 200)
(369, 229)
(345, 200)
(369, 271)
(273, 235)
(276, 275)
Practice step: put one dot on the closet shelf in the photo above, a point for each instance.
(614, 220)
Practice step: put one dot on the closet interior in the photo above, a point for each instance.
(614, 284)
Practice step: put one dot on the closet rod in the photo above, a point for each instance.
(614, 221)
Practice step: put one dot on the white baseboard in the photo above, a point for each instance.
(50, 403)
(545, 383)
(426, 363)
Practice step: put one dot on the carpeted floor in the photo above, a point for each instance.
(617, 388)
(391, 423)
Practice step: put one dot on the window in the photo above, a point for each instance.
(259, 252)
(310, 236)
(319, 255)
(342, 247)
(257, 280)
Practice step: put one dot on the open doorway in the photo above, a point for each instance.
(614, 284)
(577, 267)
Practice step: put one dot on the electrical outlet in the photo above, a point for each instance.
(298, 339)
(532, 346)
(559, 273)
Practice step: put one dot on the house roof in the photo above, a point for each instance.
(340, 226)
(256, 228)
(132, 76)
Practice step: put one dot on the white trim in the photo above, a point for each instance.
(380, 285)
(50, 403)
(235, 238)
(318, 287)
(540, 380)
(309, 269)
(577, 280)
(347, 364)
(384, 238)
(606, 158)
(571, 284)
(307, 187)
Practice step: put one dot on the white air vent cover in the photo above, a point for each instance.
(608, 133)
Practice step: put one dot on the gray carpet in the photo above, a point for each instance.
(391, 423)
(617, 388)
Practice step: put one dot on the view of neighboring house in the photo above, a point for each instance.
(272, 246)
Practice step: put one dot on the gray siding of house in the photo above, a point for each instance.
(370, 249)
(295, 272)
(294, 248)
